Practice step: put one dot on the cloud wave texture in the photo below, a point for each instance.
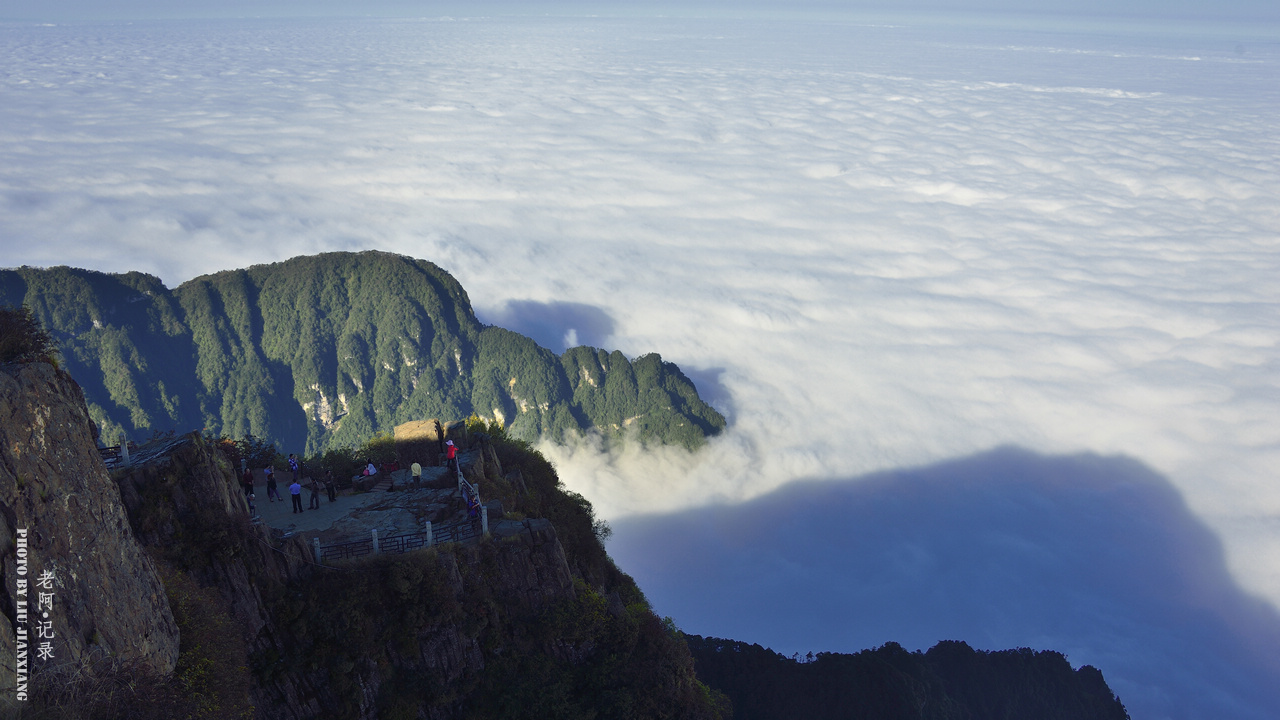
(885, 245)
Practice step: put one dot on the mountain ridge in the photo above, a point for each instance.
(322, 351)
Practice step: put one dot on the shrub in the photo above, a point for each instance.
(213, 662)
(347, 462)
(493, 428)
(256, 452)
(380, 448)
(103, 688)
(23, 339)
(344, 463)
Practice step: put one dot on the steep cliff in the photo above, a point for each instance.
(60, 514)
(519, 625)
(170, 602)
(224, 575)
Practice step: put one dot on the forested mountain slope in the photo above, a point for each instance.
(323, 351)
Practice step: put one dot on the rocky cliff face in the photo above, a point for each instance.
(185, 507)
(452, 631)
(300, 622)
(56, 497)
(405, 632)
(159, 565)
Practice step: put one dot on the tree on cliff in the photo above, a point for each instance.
(23, 339)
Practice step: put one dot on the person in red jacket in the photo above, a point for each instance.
(451, 455)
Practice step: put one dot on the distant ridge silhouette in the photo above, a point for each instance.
(1097, 557)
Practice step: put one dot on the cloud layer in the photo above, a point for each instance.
(877, 246)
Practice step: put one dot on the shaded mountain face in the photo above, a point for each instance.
(1098, 557)
(324, 351)
(61, 519)
(950, 681)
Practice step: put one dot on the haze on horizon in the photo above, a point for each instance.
(1149, 10)
(874, 245)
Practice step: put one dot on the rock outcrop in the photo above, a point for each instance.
(56, 497)
(424, 617)
(159, 565)
(183, 501)
(421, 441)
(299, 621)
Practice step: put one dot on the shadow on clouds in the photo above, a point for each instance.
(1097, 557)
(711, 389)
(556, 326)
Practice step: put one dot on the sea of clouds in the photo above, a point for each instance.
(874, 246)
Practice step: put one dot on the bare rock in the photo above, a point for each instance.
(420, 441)
(56, 496)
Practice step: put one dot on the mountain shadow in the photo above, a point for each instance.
(1096, 557)
(556, 326)
(713, 391)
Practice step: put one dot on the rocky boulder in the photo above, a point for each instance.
(420, 441)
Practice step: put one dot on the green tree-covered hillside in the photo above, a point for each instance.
(323, 351)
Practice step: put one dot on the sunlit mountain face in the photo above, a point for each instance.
(873, 243)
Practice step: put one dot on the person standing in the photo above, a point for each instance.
(451, 456)
(416, 471)
(273, 493)
(314, 486)
(294, 467)
(330, 485)
(295, 490)
(247, 481)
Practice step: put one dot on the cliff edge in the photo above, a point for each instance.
(166, 600)
(65, 539)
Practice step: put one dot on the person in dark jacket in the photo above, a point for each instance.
(273, 493)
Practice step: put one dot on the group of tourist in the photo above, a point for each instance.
(295, 487)
(314, 485)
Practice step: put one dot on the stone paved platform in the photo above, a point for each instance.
(353, 515)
